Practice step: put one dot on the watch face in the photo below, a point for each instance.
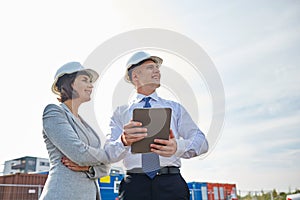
(91, 170)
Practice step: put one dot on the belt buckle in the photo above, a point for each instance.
(159, 172)
(164, 170)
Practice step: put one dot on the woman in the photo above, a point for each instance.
(74, 148)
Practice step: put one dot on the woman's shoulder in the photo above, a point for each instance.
(52, 107)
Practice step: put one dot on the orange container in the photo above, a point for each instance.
(221, 191)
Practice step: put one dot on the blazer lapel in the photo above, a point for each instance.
(82, 129)
(75, 123)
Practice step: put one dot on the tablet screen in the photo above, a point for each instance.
(157, 121)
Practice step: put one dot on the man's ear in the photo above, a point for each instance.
(134, 76)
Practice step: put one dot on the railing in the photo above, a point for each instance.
(20, 192)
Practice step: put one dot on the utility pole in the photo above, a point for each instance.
(271, 195)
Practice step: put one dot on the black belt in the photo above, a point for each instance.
(161, 171)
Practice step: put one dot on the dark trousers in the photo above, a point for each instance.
(162, 187)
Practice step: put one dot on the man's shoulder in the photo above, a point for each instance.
(122, 108)
(169, 102)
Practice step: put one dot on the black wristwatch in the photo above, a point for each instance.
(91, 170)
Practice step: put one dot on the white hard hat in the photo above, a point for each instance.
(139, 57)
(70, 68)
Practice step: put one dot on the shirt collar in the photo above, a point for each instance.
(138, 97)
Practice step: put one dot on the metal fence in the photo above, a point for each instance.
(20, 192)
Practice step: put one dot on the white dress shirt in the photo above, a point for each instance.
(190, 140)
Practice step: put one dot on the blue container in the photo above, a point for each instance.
(109, 186)
(198, 190)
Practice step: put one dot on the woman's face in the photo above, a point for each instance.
(83, 86)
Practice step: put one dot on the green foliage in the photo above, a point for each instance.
(263, 195)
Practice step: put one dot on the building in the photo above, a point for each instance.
(26, 164)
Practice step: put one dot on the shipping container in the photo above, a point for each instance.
(109, 185)
(221, 191)
(21, 186)
(212, 191)
(230, 191)
(198, 190)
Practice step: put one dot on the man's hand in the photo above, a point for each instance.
(165, 148)
(133, 132)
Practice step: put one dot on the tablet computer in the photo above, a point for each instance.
(157, 121)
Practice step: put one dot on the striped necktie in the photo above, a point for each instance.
(150, 161)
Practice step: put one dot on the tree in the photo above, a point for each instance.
(274, 193)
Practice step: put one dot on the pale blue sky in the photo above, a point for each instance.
(254, 45)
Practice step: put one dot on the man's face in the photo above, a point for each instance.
(147, 74)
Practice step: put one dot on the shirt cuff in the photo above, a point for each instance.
(122, 149)
(127, 148)
(180, 148)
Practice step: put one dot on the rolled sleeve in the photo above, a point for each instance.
(192, 142)
(113, 145)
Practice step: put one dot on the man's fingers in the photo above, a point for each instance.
(132, 124)
(171, 134)
(135, 131)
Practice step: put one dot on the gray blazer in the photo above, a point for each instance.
(74, 138)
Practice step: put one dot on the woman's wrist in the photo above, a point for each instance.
(91, 170)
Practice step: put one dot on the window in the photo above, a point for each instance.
(44, 164)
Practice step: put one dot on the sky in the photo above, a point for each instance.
(254, 46)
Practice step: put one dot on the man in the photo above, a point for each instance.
(164, 182)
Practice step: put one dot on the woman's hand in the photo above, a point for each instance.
(73, 166)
